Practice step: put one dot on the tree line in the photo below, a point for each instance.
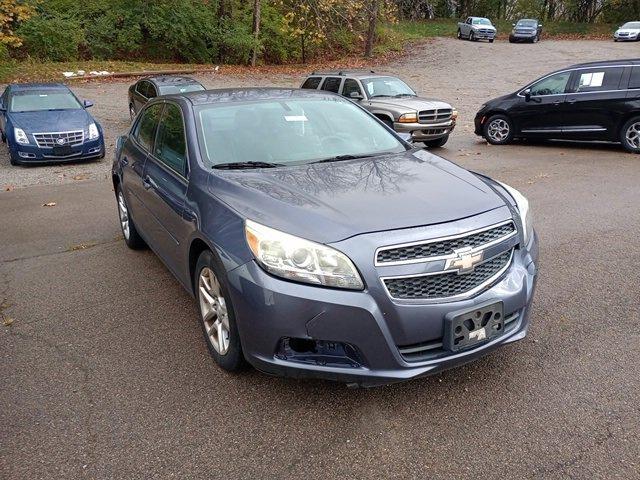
(248, 31)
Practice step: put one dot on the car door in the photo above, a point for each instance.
(331, 84)
(132, 158)
(165, 183)
(595, 104)
(351, 89)
(538, 109)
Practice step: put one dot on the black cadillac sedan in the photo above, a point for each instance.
(597, 101)
(317, 242)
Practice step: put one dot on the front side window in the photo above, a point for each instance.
(145, 130)
(387, 87)
(171, 147)
(37, 100)
(553, 85)
(311, 83)
(293, 131)
(332, 84)
(634, 81)
(594, 80)
(350, 86)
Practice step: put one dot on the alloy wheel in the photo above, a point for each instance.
(124, 215)
(633, 135)
(132, 113)
(498, 130)
(213, 310)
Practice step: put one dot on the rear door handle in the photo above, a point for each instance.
(125, 161)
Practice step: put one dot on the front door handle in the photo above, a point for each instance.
(148, 182)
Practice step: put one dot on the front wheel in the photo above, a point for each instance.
(491, 40)
(630, 135)
(498, 130)
(536, 39)
(438, 142)
(472, 36)
(459, 35)
(216, 314)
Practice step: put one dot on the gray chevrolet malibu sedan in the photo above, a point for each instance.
(318, 243)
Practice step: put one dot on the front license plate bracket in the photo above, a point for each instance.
(467, 328)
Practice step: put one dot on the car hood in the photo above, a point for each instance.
(51, 121)
(488, 27)
(328, 202)
(628, 30)
(410, 103)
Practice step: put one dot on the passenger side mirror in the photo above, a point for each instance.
(88, 103)
(527, 95)
(355, 96)
(539, 24)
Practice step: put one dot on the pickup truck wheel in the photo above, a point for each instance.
(498, 130)
(439, 142)
(491, 40)
(472, 36)
(630, 135)
(459, 35)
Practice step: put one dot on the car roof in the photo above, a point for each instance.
(528, 20)
(23, 87)
(170, 80)
(252, 94)
(360, 74)
(607, 63)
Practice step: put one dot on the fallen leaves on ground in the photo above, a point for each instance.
(49, 204)
(7, 322)
(81, 176)
(9, 188)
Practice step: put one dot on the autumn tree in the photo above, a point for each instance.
(12, 13)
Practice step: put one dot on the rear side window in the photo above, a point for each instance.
(594, 80)
(142, 88)
(171, 146)
(151, 90)
(145, 130)
(634, 81)
(332, 84)
(311, 83)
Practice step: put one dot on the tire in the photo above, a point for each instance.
(491, 40)
(472, 36)
(131, 236)
(511, 40)
(3, 137)
(387, 122)
(13, 160)
(459, 35)
(217, 316)
(498, 130)
(439, 142)
(132, 112)
(630, 135)
(536, 39)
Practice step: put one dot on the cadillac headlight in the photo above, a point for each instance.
(301, 260)
(93, 132)
(20, 136)
(524, 209)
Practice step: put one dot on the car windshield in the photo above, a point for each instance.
(33, 101)
(387, 87)
(175, 89)
(526, 23)
(481, 21)
(631, 25)
(290, 131)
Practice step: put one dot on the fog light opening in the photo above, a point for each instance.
(318, 352)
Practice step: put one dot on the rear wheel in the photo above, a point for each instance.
(131, 236)
(216, 314)
(439, 142)
(498, 130)
(630, 135)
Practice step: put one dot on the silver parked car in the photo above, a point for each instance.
(630, 31)
(477, 28)
(426, 120)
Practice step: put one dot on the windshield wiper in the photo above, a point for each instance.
(404, 95)
(339, 158)
(374, 96)
(243, 165)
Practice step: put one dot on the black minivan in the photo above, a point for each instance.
(590, 101)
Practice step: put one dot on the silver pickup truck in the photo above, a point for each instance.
(477, 28)
(426, 120)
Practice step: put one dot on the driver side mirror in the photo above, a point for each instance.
(88, 103)
(355, 96)
(527, 95)
(513, 24)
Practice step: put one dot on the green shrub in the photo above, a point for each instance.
(51, 38)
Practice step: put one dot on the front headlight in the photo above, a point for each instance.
(301, 260)
(524, 209)
(411, 117)
(20, 136)
(93, 132)
(454, 115)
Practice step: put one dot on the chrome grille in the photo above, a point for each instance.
(435, 115)
(524, 31)
(486, 31)
(51, 139)
(422, 251)
(449, 283)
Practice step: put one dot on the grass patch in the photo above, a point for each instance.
(40, 71)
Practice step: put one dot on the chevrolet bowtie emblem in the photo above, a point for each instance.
(464, 261)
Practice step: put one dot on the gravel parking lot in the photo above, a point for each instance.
(105, 374)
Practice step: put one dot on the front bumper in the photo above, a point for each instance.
(522, 37)
(32, 154)
(269, 310)
(421, 132)
(484, 35)
(629, 38)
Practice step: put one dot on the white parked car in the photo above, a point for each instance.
(630, 31)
